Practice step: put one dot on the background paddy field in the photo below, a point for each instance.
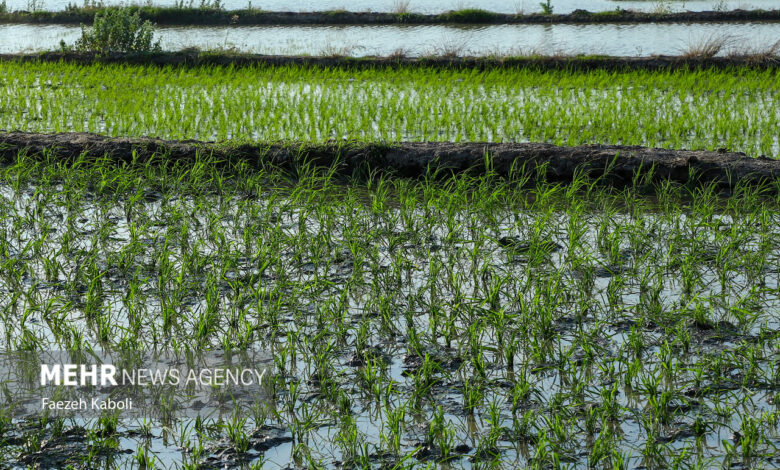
(702, 109)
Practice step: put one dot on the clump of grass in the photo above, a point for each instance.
(707, 47)
(89, 5)
(203, 5)
(337, 12)
(469, 15)
(401, 7)
(608, 15)
(402, 11)
(399, 53)
(766, 53)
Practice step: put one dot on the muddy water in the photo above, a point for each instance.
(436, 6)
(610, 39)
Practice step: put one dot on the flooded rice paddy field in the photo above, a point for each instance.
(463, 322)
(702, 109)
(434, 6)
(643, 39)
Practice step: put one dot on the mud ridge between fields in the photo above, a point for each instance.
(196, 58)
(616, 165)
(205, 16)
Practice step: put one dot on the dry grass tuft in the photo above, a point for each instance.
(449, 48)
(399, 53)
(401, 7)
(707, 47)
(770, 53)
(336, 51)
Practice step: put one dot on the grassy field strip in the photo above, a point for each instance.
(692, 110)
(468, 320)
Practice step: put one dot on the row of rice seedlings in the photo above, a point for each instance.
(735, 109)
(423, 321)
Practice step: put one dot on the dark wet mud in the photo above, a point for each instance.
(196, 58)
(613, 164)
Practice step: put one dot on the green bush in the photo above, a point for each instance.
(118, 30)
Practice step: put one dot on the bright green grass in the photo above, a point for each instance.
(737, 110)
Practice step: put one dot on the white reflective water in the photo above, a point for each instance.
(435, 6)
(610, 39)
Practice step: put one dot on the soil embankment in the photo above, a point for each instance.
(197, 58)
(617, 165)
(205, 16)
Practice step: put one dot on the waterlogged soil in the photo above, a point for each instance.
(196, 58)
(613, 164)
(459, 323)
(82, 444)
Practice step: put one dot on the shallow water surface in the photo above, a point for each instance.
(609, 39)
(619, 321)
(435, 6)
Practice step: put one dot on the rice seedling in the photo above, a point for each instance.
(408, 104)
(465, 320)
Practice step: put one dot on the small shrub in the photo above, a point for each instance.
(608, 15)
(118, 30)
(547, 7)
